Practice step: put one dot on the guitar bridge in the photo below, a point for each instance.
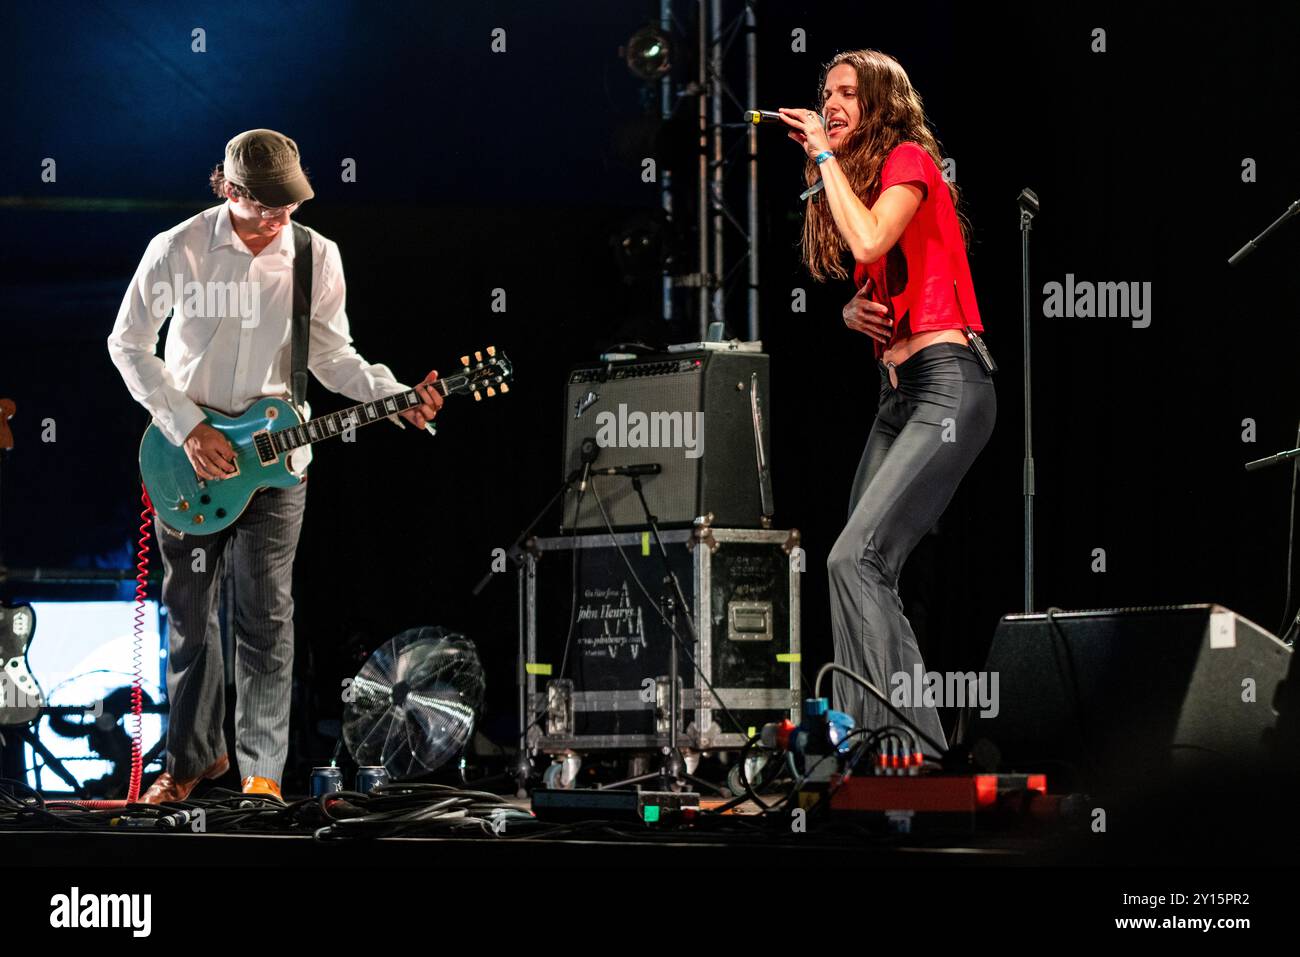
(266, 453)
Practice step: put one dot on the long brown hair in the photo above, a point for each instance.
(891, 113)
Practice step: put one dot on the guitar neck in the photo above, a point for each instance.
(338, 423)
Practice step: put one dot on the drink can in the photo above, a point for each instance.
(369, 778)
(326, 781)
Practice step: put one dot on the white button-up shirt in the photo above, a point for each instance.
(231, 329)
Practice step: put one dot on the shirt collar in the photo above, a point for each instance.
(223, 234)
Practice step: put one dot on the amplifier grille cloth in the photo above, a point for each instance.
(671, 494)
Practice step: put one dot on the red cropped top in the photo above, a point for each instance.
(925, 279)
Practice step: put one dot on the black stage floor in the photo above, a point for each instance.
(1215, 833)
(114, 849)
(938, 881)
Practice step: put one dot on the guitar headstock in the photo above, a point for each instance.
(489, 373)
(7, 410)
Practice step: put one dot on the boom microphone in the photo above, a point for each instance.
(653, 468)
(590, 452)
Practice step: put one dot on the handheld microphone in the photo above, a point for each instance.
(758, 117)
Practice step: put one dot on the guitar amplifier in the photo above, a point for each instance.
(597, 668)
(688, 412)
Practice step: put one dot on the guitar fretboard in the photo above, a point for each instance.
(338, 423)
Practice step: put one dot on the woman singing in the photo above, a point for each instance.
(885, 201)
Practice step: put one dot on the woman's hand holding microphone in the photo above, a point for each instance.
(861, 314)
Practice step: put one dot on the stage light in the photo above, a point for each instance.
(648, 53)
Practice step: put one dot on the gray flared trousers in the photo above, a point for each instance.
(926, 435)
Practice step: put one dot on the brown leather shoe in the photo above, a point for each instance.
(168, 788)
(264, 786)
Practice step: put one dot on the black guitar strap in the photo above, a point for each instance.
(301, 312)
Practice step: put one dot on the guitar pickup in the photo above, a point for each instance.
(266, 453)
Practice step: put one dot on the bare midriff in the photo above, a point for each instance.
(899, 351)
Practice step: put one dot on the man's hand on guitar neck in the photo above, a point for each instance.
(210, 452)
(421, 415)
(213, 457)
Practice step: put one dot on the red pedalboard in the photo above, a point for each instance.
(942, 793)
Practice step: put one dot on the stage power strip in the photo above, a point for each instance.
(647, 807)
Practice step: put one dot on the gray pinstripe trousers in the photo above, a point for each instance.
(258, 550)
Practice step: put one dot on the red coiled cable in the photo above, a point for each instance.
(137, 653)
(137, 666)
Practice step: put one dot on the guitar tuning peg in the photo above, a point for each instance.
(478, 357)
(464, 360)
(491, 392)
(491, 350)
(504, 388)
(478, 396)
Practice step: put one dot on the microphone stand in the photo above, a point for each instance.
(523, 770)
(1234, 259)
(672, 772)
(1251, 246)
(1288, 637)
(1028, 202)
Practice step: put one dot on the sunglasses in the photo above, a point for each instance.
(271, 212)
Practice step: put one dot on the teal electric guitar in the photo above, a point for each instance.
(264, 436)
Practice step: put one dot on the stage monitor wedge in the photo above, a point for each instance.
(1120, 696)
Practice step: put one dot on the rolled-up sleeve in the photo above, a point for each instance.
(133, 346)
(331, 355)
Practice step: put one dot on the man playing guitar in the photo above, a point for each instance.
(239, 256)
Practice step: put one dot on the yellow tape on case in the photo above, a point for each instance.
(792, 657)
(533, 668)
(645, 543)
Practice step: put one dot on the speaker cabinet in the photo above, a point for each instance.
(1115, 695)
(690, 413)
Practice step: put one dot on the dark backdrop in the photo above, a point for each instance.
(479, 170)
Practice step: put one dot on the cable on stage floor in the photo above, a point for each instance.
(391, 810)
